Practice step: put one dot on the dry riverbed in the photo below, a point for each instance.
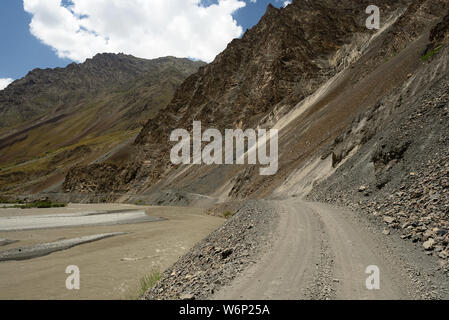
(110, 267)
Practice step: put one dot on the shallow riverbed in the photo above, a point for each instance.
(145, 239)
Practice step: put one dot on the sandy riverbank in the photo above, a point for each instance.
(110, 268)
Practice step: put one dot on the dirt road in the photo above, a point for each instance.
(322, 252)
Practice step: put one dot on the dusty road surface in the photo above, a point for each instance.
(110, 267)
(322, 252)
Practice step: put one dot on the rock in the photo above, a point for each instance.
(435, 197)
(389, 220)
(187, 296)
(226, 253)
(362, 188)
(428, 245)
(429, 233)
(386, 232)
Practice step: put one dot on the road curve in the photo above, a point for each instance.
(322, 252)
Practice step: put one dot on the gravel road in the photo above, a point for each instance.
(322, 252)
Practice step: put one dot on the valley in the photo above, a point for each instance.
(354, 203)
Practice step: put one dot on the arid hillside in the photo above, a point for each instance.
(309, 69)
(54, 118)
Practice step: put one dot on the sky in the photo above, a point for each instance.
(54, 33)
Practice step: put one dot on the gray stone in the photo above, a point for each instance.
(428, 245)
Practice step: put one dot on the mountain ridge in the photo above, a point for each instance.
(99, 103)
(73, 83)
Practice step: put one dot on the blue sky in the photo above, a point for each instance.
(22, 51)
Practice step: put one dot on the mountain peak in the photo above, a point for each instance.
(45, 89)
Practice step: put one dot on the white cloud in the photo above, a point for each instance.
(144, 28)
(5, 82)
(286, 3)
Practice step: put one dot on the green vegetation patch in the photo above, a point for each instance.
(6, 200)
(431, 53)
(148, 282)
(228, 214)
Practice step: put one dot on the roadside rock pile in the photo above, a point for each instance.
(401, 175)
(218, 259)
(420, 208)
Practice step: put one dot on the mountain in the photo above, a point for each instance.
(47, 90)
(257, 81)
(54, 117)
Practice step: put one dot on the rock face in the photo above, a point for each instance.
(440, 33)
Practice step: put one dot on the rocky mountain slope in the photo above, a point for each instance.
(308, 69)
(256, 81)
(362, 116)
(54, 118)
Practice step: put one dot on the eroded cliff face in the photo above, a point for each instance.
(308, 69)
(439, 36)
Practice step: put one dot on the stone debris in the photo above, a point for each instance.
(218, 259)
